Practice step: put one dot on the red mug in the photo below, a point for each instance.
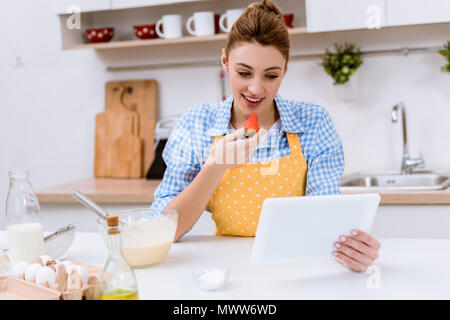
(216, 23)
(145, 31)
(100, 34)
(288, 19)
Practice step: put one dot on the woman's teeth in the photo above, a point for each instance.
(253, 100)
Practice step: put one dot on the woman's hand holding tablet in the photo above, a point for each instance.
(358, 251)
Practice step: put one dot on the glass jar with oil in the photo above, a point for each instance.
(118, 281)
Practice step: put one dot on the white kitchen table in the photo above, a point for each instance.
(406, 269)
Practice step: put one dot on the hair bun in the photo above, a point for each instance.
(262, 22)
(267, 6)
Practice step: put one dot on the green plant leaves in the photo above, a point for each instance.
(446, 53)
(342, 64)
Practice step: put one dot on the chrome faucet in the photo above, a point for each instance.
(408, 164)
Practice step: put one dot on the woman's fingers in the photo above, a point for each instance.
(349, 262)
(260, 135)
(359, 246)
(253, 142)
(358, 251)
(234, 135)
(256, 139)
(244, 148)
(353, 253)
(233, 151)
(366, 238)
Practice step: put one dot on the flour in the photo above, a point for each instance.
(212, 279)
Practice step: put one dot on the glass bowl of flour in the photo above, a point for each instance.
(147, 234)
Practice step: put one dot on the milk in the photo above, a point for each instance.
(25, 242)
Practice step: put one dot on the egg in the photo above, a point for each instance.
(66, 263)
(46, 275)
(81, 272)
(44, 259)
(19, 268)
(73, 278)
(30, 272)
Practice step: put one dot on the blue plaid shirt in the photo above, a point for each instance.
(190, 143)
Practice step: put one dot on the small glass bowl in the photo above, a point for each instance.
(212, 279)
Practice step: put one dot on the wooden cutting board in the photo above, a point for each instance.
(140, 96)
(118, 148)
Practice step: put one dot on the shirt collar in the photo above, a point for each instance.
(290, 117)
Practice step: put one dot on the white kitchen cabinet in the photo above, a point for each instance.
(56, 215)
(332, 15)
(66, 6)
(125, 4)
(412, 221)
(406, 12)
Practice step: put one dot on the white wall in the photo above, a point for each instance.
(48, 104)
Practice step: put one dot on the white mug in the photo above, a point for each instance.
(172, 26)
(231, 16)
(203, 22)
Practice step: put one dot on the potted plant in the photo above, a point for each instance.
(446, 53)
(341, 66)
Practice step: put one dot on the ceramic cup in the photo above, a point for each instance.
(288, 19)
(231, 16)
(203, 24)
(172, 26)
(145, 31)
(216, 22)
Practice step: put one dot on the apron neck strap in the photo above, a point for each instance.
(294, 143)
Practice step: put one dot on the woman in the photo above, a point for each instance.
(301, 153)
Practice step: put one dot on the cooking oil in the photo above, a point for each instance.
(120, 294)
(118, 281)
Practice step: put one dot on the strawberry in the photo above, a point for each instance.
(251, 125)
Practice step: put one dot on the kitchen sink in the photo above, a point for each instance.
(415, 181)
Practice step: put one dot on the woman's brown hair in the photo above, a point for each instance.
(262, 23)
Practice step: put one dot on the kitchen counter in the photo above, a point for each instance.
(402, 214)
(406, 269)
(102, 190)
(397, 197)
(111, 191)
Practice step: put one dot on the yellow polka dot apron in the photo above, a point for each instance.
(237, 201)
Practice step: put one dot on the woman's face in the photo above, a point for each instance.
(255, 73)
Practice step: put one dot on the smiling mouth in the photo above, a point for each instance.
(253, 100)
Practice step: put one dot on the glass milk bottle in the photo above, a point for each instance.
(23, 219)
(118, 281)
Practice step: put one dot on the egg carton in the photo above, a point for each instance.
(89, 291)
(17, 289)
(70, 287)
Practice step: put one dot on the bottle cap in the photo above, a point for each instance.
(112, 221)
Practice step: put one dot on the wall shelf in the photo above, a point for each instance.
(128, 53)
(162, 42)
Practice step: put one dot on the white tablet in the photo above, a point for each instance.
(294, 228)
